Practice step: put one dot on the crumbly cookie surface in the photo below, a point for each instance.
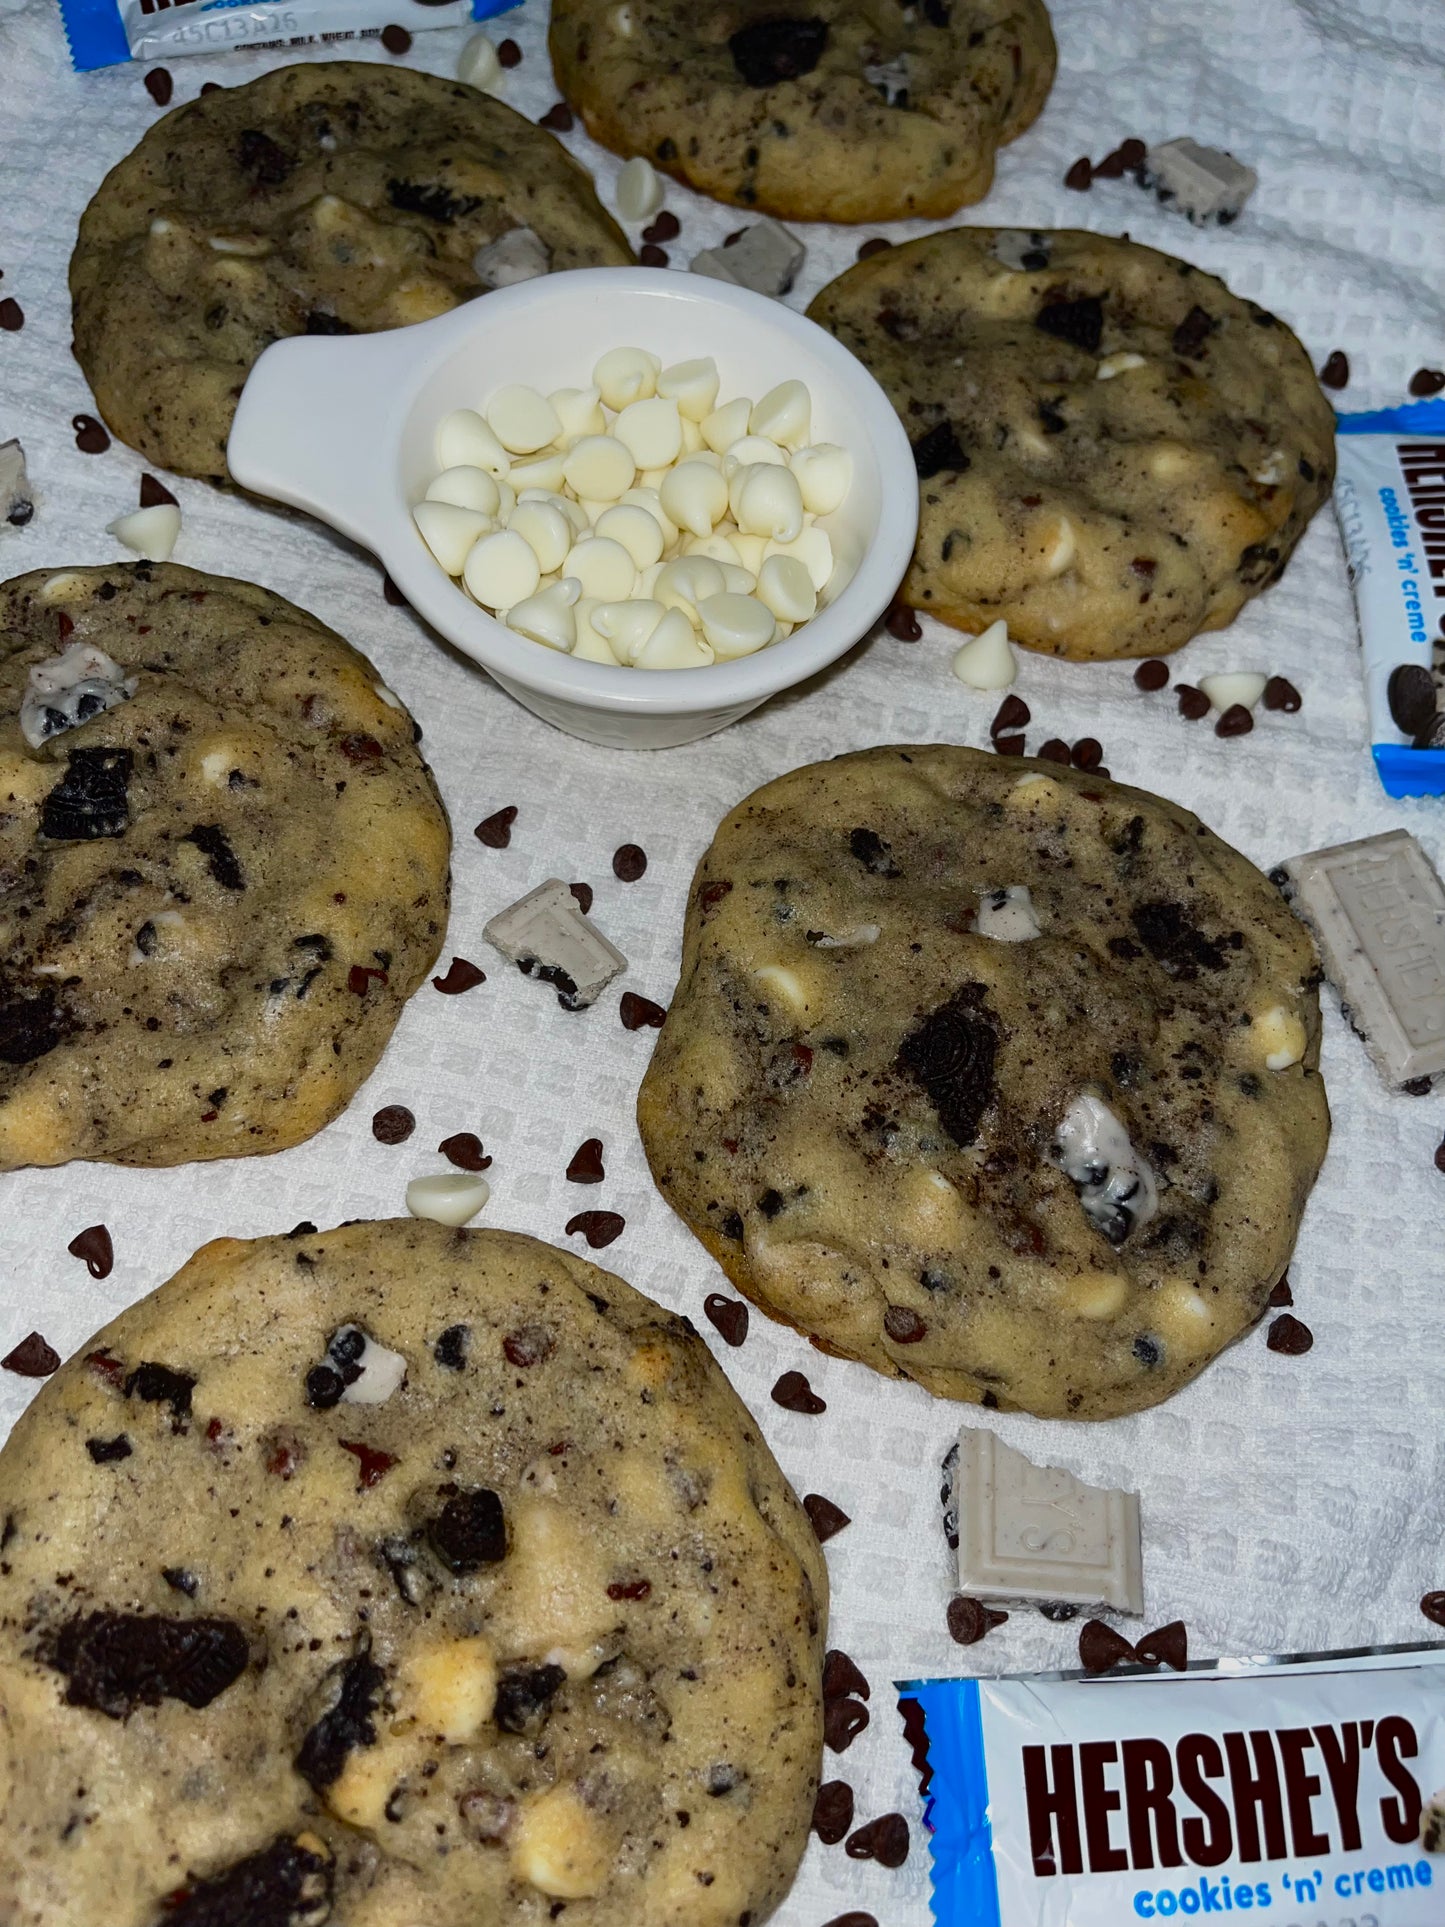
(338, 198)
(217, 894)
(843, 113)
(441, 1577)
(1114, 451)
(969, 1075)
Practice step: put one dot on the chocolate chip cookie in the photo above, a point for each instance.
(398, 1575)
(840, 113)
(991, 1074)
(331, 199)
(223, 867)
(1114, 452)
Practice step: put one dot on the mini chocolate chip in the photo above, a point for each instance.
(666, 227)
(841, 1678)
(347, 1723)
(154, 494)
(582, 893)
(854, 1918)
(1281, 1295)
(1008, 745)
(324, 1387)
(629, 861)
(843, 1721)
(1336, 371)
(396, 40)
(1100, 1647)
(179, 1580)
(496, 830)
(903, 1325)
(586, 1165)
(159, 85)
(902, 624)
(461, 975)
(1427, 381)
(31, 1358)
(939, 452)
(1055, 750)
(94, 1246)
(1152, 674)
(1289, 1335)
(970, 1619)
(884, 1840)
(1169, 1646)
(1087, 753)
(599, 1228)
(12, 315)
(1236, 721)
(1194, 705)
(90, 437)
(833, 1811)
(464, 1150)
(826, 1518)
(1079, 322)
(392, 1124)
(1433, 1607)
(1440, 1155)
(1410, 693)
(1080, 176)
(284, 1884)
(875, 244)
(649, 255)
(728, 1315)
(1124, 159)
(559, 119)
(509, 54)
(1193, 331)
(1280, 693)
(795, 1394)
(1013, 713)
(636, 1012)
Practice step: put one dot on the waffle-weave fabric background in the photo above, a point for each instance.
(1288, 1502)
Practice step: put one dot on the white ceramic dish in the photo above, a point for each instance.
(343, 427)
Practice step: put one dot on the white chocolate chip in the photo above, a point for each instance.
(564, 505)
(600, 467)
(464, 440)
(987, 661)
(752, 552)
(738, 581)
(825, 474)
(547, 616)
(466, 487)
(477, 63)
(1281, 1036)
(726, 425)
(557, 1842)
(604, 568)
(580, 412)
(388, 696)
(748, 450)
(716, 547)
(651, 500)
(691, 435)
(149, 532)
(447, 1197)
(637, 531)
(785, 414)
(785, 586)
(814, 550)
(674, 644)
(626, 375)
(639, 191)
(652, 429)
(1244, 686)
(627, 625)
(546, 529)
(693, 385)
(502, 569)
(687, 582)
(543, 473)
(451, 532)
(620, 21)
(1122, 363)
(589, 646)
(381, 1371)
(522, 420)
(770, 504)
(736, 625)
(449, 1687)
(1061, 550)
(1007, 915)
(695, 496)
(783, 984)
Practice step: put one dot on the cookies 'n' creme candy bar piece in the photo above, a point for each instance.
(15, 504)
(767, 259)
(546, 935)
(1203, 182)
(1036, 1533)
(1376, 909)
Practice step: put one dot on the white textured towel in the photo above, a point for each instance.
(1288, 1502)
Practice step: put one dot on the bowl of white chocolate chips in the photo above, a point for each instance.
(643, 502)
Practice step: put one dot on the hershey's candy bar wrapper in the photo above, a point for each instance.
(103, 32)
(1390, 498)
(1309, 1791)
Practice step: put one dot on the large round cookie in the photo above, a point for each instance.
(330, 199)
(216, 896)
(1114, 451)
(838, 113)
(532, 1632)
(992, 1075)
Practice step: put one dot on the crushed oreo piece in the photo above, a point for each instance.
(450, 1350)
(349, 1723)
(259, 156)
(469, 1532)
(524, 1695)
(115, 1662)
(951, 1054)
(431, 201)
(211, 840)
(939, 452)
(91, 799)
(109, 1451)
(287, 1884)
(778, 49)
(1410, 693)
(1079, 322)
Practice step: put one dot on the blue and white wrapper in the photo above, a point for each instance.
(1307, 1791)
(1390, 498)
(104, 32)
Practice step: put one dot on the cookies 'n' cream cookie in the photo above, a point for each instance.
(992, 1074)
(836, 113)
(332, 199)
(1114, 452)
(398, 1574)
(223, 867)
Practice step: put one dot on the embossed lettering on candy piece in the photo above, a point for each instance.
(1376, 908)
(1036, 1533)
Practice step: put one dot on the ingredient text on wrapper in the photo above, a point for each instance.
(102, 33)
